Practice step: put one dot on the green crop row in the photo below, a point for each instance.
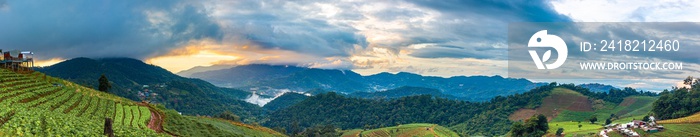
(33, 106)
(118, 115)
(145, 117)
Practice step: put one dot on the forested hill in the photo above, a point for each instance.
(403, 92)
(284, 101)
(127, 77)
(679, 102)
(488, 118)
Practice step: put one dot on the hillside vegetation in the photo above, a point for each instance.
(402, 92)
(127, 77)
(407, 130)
(679, 102)
(466, 118)
(284, 101)
(39, 105)
(689, 119)
(34, 106)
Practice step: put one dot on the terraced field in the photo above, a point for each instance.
(695, 118)
(635, 106)
(38, 105)
(560, 100)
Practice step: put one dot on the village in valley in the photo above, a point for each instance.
(627, 129)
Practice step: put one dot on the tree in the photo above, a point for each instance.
(593, 119)
(679, 102)
(517, 129)
(295, 129)
(534, 126)
(646, 118)
(104, 84)
(542, 123)
(608, 121)
(229, 116)
(579, 126)
(559, 131)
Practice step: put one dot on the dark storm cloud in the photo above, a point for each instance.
(531, 11)
(142, 29)
(310, 37)
(284, 25)
(479, 25)
(450, 51)
(102, 28)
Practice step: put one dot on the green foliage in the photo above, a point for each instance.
(572, 127)
(284, 101)
(34, 107)
(190, 126)
(229, 116)
(679, 102)
(646, 118)
(320, 131)
(608, 121)
(414, 129)
(467, 118)
(535, 126)
(679, 130)
(593, 119)
(127, 76)
(559, 131)
(104, 84)
(614, 95)
(403, 92)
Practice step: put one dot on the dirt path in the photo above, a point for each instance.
(156, 122)
(433, 131)
(357, 134)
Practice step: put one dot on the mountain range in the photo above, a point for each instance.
(308, 97)
(269, 79)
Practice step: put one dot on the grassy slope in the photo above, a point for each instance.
(32, 106)
(680, 130)
(695, 118)
(212, 127)
(571, 128)
(632, 108)
(558, 105)
(641, 106)
(555, 105)
(685, 126)
(636, 106)
(407, 130)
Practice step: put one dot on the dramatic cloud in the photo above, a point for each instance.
(94, 28)
(440, 38)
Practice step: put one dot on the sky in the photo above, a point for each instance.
(437, 38)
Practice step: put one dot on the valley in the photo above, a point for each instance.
(403, 111)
